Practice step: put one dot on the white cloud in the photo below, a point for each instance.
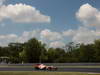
(22, 13)
(88, 15)
(28, 35)
(54, 37)
(80, 35)
(57, 44)
(49, 35)
(6, 39)
(83, 35)
(69, 33)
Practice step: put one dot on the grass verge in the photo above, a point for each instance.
(43, 73)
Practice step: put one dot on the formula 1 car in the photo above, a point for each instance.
(44, 67)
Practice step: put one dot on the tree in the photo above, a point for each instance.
(14, 50)
(33, 49)
(97, 50)
(86, 53)
(55, 55)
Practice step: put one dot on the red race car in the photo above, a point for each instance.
(44, 67)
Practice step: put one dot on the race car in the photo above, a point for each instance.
(44, 67)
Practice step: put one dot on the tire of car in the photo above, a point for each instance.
(56, 69)
(49, 68)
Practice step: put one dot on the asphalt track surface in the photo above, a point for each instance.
(94, 70)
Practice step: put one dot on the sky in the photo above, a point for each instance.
(54, 22)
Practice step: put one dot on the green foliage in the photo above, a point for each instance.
(97, 50)
(33, 51)
(86, 53)
(42, 73)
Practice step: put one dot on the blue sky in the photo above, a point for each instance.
(59, 25)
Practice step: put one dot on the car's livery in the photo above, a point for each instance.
(44, 67)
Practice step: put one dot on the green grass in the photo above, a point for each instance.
(43, 73)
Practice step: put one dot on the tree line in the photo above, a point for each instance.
(33, 51)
